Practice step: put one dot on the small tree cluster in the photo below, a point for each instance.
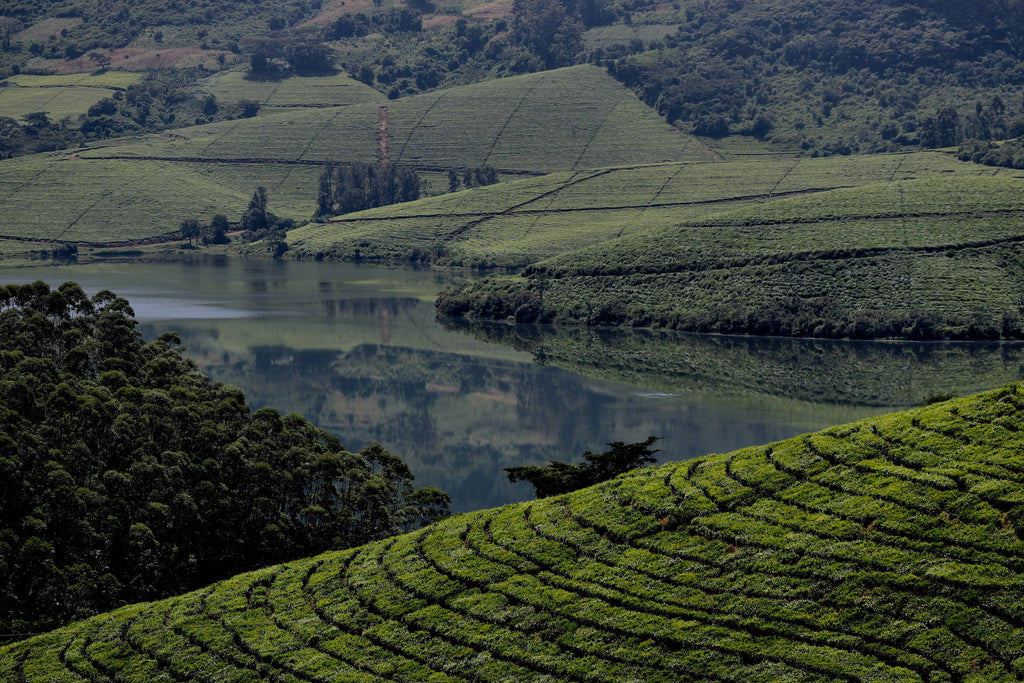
(561, 477)
(471, 177)
(345, 188)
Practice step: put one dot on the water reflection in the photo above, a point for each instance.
(882, 374)
(358, 350)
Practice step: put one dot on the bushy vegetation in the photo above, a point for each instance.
(832, 77)
(886, 549)
(562, 477)
(127, 475)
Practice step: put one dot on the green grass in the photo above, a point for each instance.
(143, 187)
(522, 222)
(296, 91)
(60, 96)
(886, 549)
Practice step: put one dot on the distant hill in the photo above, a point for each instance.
(886, 549)
(142, 188)
(836, 77)
(565, 119)
(921, 258)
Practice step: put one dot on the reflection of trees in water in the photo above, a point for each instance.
(456, 419)
(821, 371)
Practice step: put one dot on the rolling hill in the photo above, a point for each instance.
(919, 258)
(142, 188)
(566, 119)
(884, 550)
(60, 96)
(518, 223)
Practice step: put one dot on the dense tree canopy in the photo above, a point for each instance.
(126, 475)
(345, 188)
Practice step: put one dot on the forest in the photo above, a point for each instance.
(127, 475)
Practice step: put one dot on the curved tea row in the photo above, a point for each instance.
(883, 550)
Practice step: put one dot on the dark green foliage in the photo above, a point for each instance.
(1009, 154)
(345, 188)
(804, 74)
(562, 477)
(282, 57)
(125, 475)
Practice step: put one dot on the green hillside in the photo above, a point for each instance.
(885, 550)
(127, 201)
(60, 96)
(142, 188)
(551, 121)
(922, 258)
(287, 93)
(522, 222)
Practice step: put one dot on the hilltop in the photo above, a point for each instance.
(886, 549)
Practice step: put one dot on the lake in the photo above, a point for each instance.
(357, 350)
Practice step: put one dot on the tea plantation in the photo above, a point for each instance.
(518, 223)
(921, 258)
(884, 550)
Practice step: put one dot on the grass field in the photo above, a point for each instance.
(884, 550)
(60, 96)
(143, 187)
(521, 222)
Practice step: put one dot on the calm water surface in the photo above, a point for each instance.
(358, 351)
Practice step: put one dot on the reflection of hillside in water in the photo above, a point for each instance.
(458, 419)
(884, 374)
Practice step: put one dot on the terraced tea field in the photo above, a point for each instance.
(63, 197)
(521, 222)
(577, 117)
(60, 96)
(143, 187)
(296, 91)
(939, 251)
(886, 549)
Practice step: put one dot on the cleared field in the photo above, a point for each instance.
(521, 222)
(886, 550)
(624, 34)
(557, 120)
(940, 252)
(59, 96)
(55, 197)
(296, 91)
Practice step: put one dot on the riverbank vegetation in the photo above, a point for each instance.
(886, 549)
